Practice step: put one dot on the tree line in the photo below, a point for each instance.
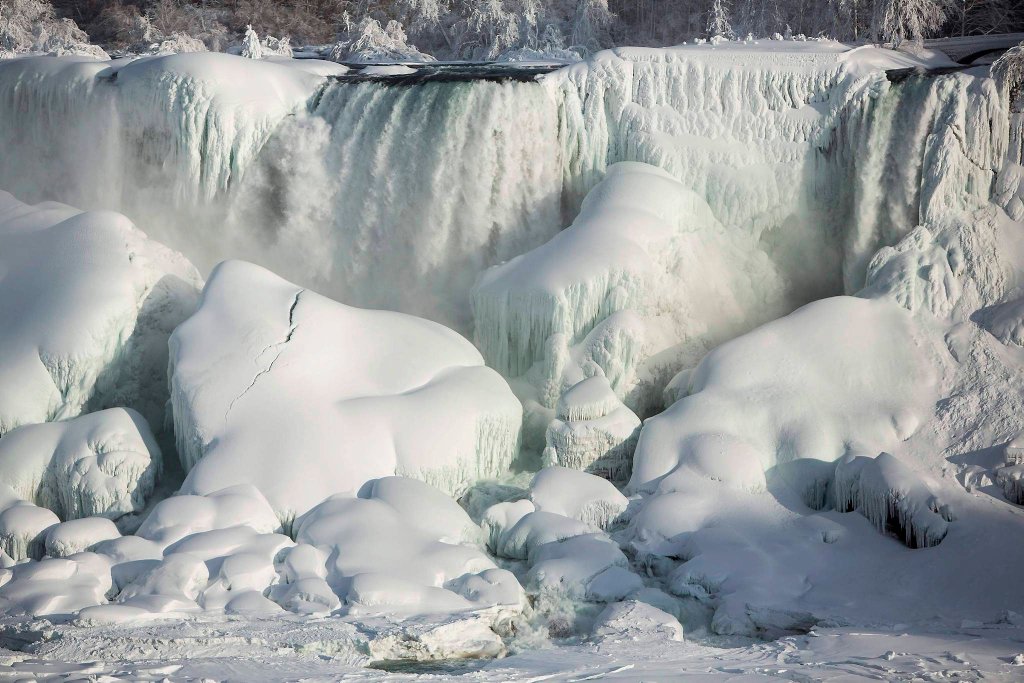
(487, 28)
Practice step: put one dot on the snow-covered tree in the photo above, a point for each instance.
(896, 21)
(590, 22)
(370, 42)
(33, 26)
(718, 20)
(1008, 71)
(252, 48)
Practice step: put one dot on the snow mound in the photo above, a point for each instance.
(380, 560)
(100, 464)
(593, 431)
(633, 620)
(55, 586)
(23, 529)
(79, 535)
(578, 495)
(88, 303)
(180, 516)
(393, 394)
(769, 397)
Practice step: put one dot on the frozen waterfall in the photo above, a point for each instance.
(345, 186)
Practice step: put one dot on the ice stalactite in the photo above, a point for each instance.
(893, 498)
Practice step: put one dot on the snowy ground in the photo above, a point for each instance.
(743, 397)
(316, 650)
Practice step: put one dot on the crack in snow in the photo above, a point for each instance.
(280, 346)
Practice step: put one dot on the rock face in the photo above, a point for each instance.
(102, 464)
(88, 302)
(305, 397)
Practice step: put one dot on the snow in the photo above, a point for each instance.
(88, 302)
(746, 413)
(393, 394)
(79, 535)
(593, 430)
(833, 485)
(579, 495)
(104, 463)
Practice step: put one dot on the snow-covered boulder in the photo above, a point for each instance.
(180, 516)
(593, 430)
(100, 464)
(304, 397)
(579, 495)
(88, 302)
(23, 528)
(79, 535)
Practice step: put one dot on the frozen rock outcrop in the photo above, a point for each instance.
(88, 302)
(304, 397)
(101, 464)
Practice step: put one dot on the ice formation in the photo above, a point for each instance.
(592, 430)
(582, 496)
(644, 267)
(745, 415)
(101, 464)
(88, 303)
(725, 186)
(890, 495)
(270, 381)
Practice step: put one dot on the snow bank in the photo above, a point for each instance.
(101, 464)
(393, 395)
(88, 303)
